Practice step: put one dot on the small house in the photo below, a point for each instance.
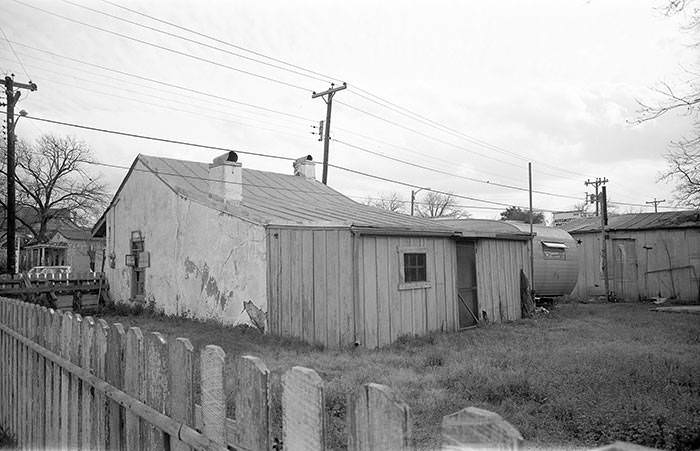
(67, 245)
(201, 239)
(649, 255)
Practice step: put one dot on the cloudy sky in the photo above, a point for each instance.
(472, 90)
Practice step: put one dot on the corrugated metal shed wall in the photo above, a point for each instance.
(498, 265)
(310, 285)
(677, 248)
(384, 311)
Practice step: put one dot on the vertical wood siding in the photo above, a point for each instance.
(678, 248)
(311, 285)
(498, 265)
(385, 312)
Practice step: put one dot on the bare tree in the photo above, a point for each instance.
(389, 202)
(438, 205)
(51, 181)
(683, 159)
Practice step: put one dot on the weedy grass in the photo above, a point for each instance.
(585, 375)
(7, 441)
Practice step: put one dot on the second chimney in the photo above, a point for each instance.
(305, 167)
(226, 178)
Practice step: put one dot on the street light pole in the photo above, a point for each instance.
(413, 197)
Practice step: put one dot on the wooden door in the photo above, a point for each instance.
(466, 284)
(625, 270)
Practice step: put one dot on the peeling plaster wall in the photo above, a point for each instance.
(203, 263)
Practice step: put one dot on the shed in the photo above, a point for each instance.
(490, 256)
(199, 239)
(556, 260)
(649, 255)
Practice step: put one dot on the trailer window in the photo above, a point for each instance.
(554, 251)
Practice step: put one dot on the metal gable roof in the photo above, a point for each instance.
(271, 198)
(638, 221)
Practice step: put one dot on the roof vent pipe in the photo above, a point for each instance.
(305, 167)
(226, 178)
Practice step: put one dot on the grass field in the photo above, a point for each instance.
(584, 375)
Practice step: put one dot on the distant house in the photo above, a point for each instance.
(67, 245)
(649, 255)
(200, 239)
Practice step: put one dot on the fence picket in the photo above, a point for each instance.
(181, 386)
(56, 319)
(74, 430)
(303, 410)
(378, 419)
(39, 378)
(99, 405)
(13, 370)
(213, 394)
(66, 335)
(24, 371)
(133, 378)
(114, 374)
(4, 406)
(251, 398)
(157, 386)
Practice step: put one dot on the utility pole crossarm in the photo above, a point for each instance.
(332, 90)
(655, 203)
(31, 86)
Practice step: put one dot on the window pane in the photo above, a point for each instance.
(414, 267)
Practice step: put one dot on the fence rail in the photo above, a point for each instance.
(72, 382)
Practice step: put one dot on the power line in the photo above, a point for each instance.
(167, 107)
(203, 146)
(194, 41)
(167, 49)
(428, 168)
(444, 128)
(162, 83)
(190, 30)
(9, 44)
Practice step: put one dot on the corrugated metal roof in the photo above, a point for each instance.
(281, 199)
(639, 221)
(484, 228)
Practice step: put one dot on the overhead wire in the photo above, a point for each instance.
(162, 47)
(160, 105)
(198, 33)
(203, 146)
(193, 41)
(9, 44)
(163, 83)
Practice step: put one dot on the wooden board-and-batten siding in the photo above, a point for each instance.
(498, 265)
(311, 284)
(333, 287)
(387, 311)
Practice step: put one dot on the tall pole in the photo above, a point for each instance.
(604, 242)
(328, 98)
(598, 182)
(413, 200)
(12, 98)
(532, 236)
(656, 203)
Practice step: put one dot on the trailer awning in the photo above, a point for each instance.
(553, 245)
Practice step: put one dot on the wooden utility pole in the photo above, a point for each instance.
(12, 98)
(328, 98)
(656, 203)
(532, 236)
(604, 242)
(598, 182)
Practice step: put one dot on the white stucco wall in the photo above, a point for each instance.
(203, 263)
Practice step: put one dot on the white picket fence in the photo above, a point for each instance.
(72, 382)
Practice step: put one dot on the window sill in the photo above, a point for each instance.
(414, 285)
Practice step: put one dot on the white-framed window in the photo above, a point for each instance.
(553, 250)
(413, 268)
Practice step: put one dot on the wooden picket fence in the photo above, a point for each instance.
(72, 382)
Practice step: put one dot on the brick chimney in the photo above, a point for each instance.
(226, 178)
(305, 167)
